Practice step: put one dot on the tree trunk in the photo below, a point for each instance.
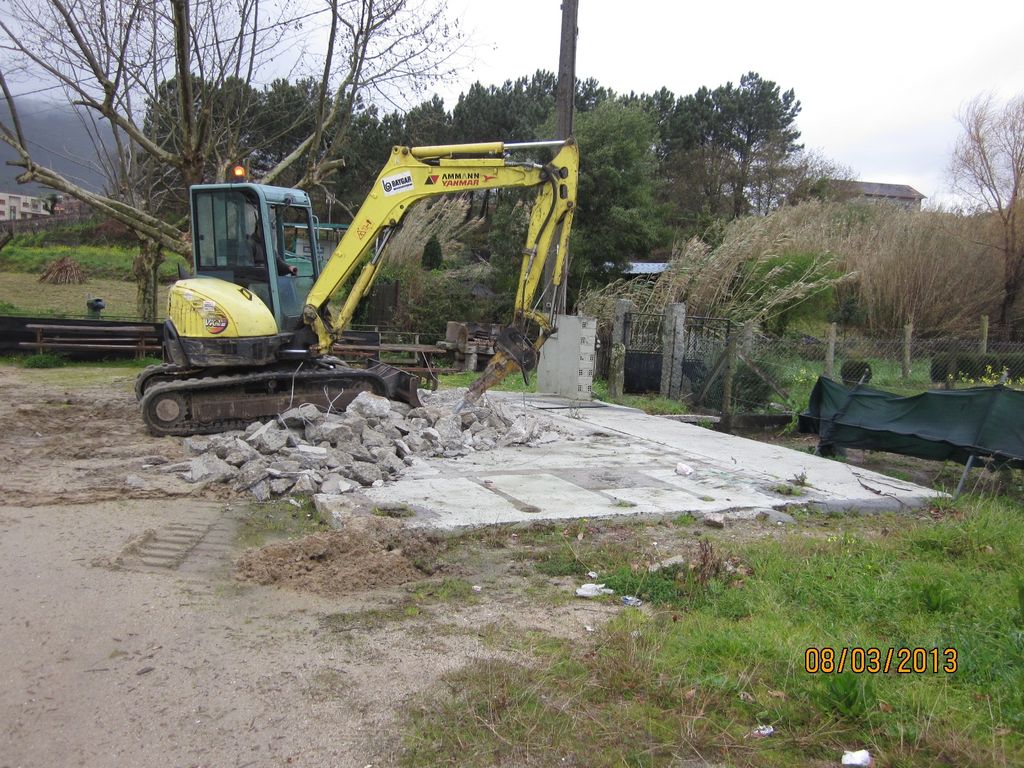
(145, 268)
(1011, 287)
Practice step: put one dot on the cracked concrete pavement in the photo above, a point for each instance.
(619, 461)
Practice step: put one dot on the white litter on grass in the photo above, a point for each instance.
(593, 590)
(762, 732)
(591, 574)
(861, 757)
(684, 469)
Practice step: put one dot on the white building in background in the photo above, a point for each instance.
(17, 207)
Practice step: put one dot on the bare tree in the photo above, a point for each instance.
(987, 168)
(168, 91)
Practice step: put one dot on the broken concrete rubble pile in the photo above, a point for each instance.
(308, 451)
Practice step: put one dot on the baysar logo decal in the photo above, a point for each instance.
(399, 182)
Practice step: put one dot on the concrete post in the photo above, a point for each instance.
(622, 308)
(673, 349)
(617, 371)
(747, 339)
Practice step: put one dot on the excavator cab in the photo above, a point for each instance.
(260, 238)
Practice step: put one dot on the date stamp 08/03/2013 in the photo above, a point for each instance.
(902, 661)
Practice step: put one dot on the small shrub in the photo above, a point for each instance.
(44, 360)
(848, 694)
(433, 257)
(855, 372)
(936, 598)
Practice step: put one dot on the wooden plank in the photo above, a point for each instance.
(110, 347)
(95, 328)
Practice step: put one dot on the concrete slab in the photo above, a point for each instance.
(615, 461)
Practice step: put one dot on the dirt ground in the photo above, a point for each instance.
(137, 631)
(129, 639)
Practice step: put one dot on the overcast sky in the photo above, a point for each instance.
(880, 82)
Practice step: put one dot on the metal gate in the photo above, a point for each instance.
(642, 335)
(704, 344)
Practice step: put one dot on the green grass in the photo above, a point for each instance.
(650, 403)
(26, 295)
(420, 599)
(44, 360)
(721, 653)
(798, 377)
(512, 383)
(279, 520)
(111, 262)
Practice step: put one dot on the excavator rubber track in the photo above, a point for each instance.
(192, 405)
(166, 372)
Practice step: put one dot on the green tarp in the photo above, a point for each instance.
(987, 422)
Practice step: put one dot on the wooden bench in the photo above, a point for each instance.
(142, 340)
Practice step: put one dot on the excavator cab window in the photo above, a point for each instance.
(295, 257)
(273, 255)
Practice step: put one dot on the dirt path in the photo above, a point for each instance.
(126, 640)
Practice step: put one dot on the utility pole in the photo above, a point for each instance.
(565, 95)
(566, 90)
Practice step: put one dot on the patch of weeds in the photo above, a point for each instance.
(327, 684)
(800, 479)
(623, 503)
(559, 562)
(397, 511)
(684, 519)
(660, 587)
(935, 598)
(848, 694)
(445, 591)
(279, 520)
(788, 490)
(373, 618)
(676, 585)
(44, 360)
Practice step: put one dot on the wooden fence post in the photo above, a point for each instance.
(830, 352)
(908, 338)
(727, 382)
(983, 341)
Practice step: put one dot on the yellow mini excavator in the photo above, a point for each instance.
(249, 335)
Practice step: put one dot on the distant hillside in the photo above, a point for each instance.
(58, 139)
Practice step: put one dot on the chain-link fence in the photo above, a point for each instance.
(715, 362)
(775, 372)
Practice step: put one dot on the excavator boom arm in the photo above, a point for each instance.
(412, 174)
